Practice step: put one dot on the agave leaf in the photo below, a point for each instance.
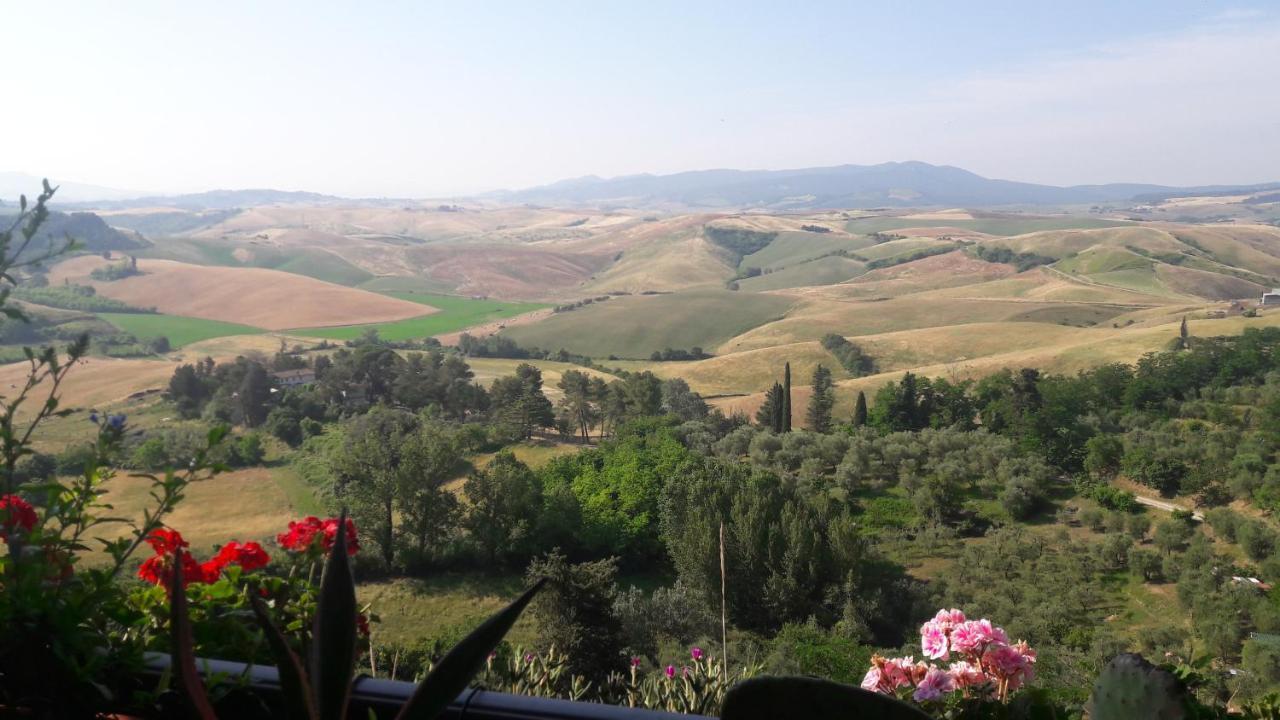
(451, 675)
(333, 638)
(778, 697)
(293, 679)
(184, 655)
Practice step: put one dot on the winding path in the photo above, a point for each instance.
(1166, 506)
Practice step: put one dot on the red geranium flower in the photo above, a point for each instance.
(164, 541)
(331, 532)
(157, 570)
(15, 513)
(303, 533)
(249, 556)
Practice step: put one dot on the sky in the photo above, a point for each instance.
(423, 99)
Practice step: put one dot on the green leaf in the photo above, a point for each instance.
(293, 679)
(452, 674)
(216, 434)
(778, 697)
(184, 656)
(333, 643)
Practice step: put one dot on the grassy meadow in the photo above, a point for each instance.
(180, 330)
(454, 313)
(988, 226)
(633, 327)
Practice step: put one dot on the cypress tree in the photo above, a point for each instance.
(786, 398)
(860, 410)
(770, 413)
(1183, 334)
(818, 415)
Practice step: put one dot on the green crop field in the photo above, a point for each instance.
(325, 266)
(1103, 259)
(455, 313)
(180, 330)
(823, 271)
(894, 248)
(315, 263)
(392, 284)
(637, 325)
(791, 248)
(990, 226)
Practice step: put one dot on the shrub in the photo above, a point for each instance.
(1225, 523)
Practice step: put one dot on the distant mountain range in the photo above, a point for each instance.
(72, 193)
(14, 184)
(896, 184)
(226, 200)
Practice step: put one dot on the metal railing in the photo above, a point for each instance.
(384, 697)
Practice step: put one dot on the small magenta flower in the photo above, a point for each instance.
(684, 671)
(635, 662)
(695, 653)
(528, 657)
(671, 671)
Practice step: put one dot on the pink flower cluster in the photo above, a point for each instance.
(987, 664)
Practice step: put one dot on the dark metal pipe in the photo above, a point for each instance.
(384, 697)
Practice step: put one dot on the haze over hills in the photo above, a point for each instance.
(13, 184)
(894, 184)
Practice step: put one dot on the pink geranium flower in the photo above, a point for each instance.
(934, 685)
(1012, 663)
(967, 675)
(933, 640)
(973, 636)
(871, 681)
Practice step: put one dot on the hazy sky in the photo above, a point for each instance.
(423, 98)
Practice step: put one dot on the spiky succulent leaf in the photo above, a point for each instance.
(1130, 688)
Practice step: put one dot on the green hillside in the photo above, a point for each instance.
(635, 326)
(990, 226)
(790, 248)
(823, 271)
(179, 330)
(455, 313)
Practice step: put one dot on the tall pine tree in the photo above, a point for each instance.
(786, 398)
(770, 413)
(818, 415)
(860, 410)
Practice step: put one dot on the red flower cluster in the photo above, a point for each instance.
(303, 535)
(249, 556)
(15, 513)
(165, 542)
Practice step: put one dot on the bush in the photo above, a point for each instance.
(1225, 523)
(576, 613)
(72, 460)
(1145, 564)
(672, 613)
(1093, 519)
(850, 356)
(1110, 497)
(807, 649)
(1257, 540)
(248, 450)
(283, 423)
